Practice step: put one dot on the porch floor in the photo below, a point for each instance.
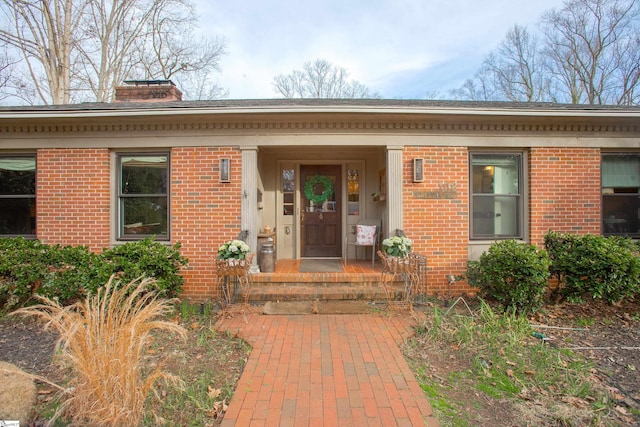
(354, 270)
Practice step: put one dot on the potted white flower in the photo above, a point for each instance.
(398, 246)
(234, 249)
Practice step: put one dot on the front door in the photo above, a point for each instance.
(320, 218)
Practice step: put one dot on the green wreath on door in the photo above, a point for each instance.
(310, 189)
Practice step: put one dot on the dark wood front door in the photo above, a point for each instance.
(321, 218)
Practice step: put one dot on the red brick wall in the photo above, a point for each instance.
(74, 204)
(564, 186)
(564, 196)
(439, 227)
(204, 212)
(73, 197)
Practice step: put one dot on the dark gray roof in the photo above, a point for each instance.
(316, 103)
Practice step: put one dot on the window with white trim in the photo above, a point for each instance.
(621, 194)
(143, 199)
(18, 195)
(497, 195)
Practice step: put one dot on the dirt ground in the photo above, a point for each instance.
(609, 336)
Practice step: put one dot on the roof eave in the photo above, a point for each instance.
(601, 112)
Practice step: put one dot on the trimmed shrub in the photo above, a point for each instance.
(594, 266)
(149, 258)
(24, 265)
(513, 273)
(74, 271)
(69, 273)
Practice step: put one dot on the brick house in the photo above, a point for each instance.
(455, 176)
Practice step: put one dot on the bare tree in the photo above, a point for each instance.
(516, 69)
(320, 79)
(5, 74)
(590, 54)
(511, 72)
(627, 56)
(107, 51)
(174, 52)
(44, 32)
(78, 50)
(588, 43)
(479, 88)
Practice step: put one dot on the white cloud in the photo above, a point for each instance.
(398, 48)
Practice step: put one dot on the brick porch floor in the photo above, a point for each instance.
(326, 370)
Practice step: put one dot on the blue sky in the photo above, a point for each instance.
(401, 49)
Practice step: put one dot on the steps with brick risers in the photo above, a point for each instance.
(324, 292)
(295, 286)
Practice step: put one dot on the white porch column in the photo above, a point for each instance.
(394, 189)
(249, 210)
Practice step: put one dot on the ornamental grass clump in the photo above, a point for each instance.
(104, 341)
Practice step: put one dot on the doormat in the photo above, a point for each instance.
(320, 266)
(320, 307)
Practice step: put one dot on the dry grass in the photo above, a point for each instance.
(104, 339)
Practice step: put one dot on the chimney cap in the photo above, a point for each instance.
(149, 83)
(147, 91)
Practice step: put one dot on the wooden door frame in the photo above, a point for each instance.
(296, 229)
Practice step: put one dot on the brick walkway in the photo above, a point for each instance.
(326, 370)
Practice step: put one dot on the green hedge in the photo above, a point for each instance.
(594, 266)
(66, 273)
(515, 274)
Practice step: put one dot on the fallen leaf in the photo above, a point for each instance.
(509, 373)
(214, 392)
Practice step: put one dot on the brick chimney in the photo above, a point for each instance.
(148, 91)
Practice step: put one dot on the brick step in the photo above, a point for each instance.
(370, 278)
(324, 292)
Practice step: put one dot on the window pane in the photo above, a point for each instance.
(621, 214)
(288, 189)
(18, 216)
(288, 198)
(288, 183)
(17, 176)
(621, 170)
(353, 191)
(620, 192)
(496, 216)
(496, 195)
(144, 215)
(144, 175)
(496, 173)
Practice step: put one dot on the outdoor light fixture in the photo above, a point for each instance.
(225, 170)
(418, 174)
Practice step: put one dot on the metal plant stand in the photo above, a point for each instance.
(234, 279)
(410, 270)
